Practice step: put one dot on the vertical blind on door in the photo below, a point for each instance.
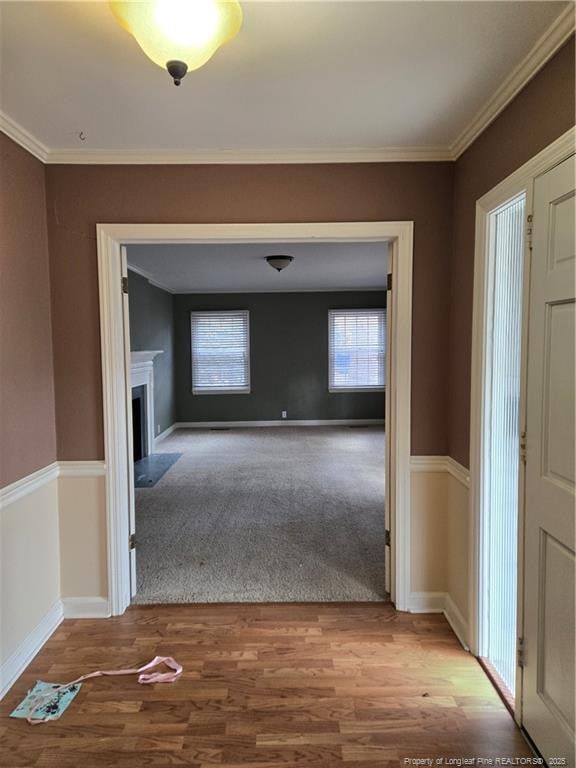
(500, 518)
(220, 352)
(357, 349)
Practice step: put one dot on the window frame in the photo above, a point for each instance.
(340, 390)
(245, 390)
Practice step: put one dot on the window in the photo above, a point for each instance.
(502, 435)
(357, 348)
(220, 352)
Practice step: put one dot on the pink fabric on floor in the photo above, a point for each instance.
(144, 678)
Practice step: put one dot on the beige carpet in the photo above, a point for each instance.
(283, 514)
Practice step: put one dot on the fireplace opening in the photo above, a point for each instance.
(139, 422)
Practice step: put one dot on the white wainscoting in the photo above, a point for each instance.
(29, 570)
(16, 663)
(70, 496)
(439, 537)
(52, 525)
(82, 514)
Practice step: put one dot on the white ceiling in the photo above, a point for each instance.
(300, 76)
(241, 268)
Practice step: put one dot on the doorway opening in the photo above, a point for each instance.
(270, 394)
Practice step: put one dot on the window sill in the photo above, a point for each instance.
(337, 390)
(221, 392)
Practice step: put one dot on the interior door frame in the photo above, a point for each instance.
(519, 182)
(111, 238)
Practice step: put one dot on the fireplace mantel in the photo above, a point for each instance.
(141, 357)
(142, 374)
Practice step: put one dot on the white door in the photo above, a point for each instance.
(548, 687)
(131, 499)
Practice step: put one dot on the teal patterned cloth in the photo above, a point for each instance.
(51, 706)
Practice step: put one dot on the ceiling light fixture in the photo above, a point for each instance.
(279, 262)
(179, 35)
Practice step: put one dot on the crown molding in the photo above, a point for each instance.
(218, 157)
(148, 276)
(249, 157)
(23, 137)
(543, 50)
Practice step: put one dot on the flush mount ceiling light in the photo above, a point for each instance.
(179, 35)
(279, 262)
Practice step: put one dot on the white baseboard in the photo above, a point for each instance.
(426, 602)
(85, 608)
(456, 621)
(13, 667)
(164, 434)
(441, 602)
(279, 423)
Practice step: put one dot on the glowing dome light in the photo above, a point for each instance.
(179, 35)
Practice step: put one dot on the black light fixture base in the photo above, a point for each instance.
(279, 262)
(177, 70)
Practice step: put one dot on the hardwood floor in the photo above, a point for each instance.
(264, 685)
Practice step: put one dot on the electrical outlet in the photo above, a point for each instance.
(284, 414)
(158, 429)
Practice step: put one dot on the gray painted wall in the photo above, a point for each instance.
(152, 327)
(289, 359)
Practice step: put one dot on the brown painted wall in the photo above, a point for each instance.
(27, 422)
(81, 196)
(540, 113)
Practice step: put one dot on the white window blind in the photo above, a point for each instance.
(220, 352)
(357, 349)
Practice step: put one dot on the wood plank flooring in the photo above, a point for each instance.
(321, 685)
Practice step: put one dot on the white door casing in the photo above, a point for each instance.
(387, 417)
(115, 371)
(129, 433)
(548, 686)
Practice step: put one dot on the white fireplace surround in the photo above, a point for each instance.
(142, 374)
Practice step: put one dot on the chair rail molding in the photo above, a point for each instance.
(32, 482)
(28, 484)
(441, 464)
